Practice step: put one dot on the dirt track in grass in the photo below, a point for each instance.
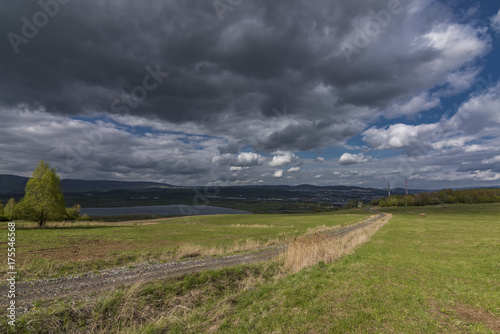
(78, 285)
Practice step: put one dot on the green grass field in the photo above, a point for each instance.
(78, 247)
(433, 274)
(438, 274)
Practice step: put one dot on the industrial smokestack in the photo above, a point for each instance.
(406, 198)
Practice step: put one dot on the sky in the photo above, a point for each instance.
(239, 92)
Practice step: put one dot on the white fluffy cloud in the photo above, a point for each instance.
(495, 22)
(416, 104)
(222, 159)
(452, 142)
(495, 159)
(237, 168)
(477, 117)
(458, 150)
(246, 159)
(282, 159)
(463, 150)
(401, 136)
(480, 114)
(101, 150)
(278, 173)
(351, 159)
(456, 43)
(461, 80)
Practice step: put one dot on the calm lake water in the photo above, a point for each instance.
(165, 210)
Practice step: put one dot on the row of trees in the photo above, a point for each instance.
(43, 200)
(445, 196)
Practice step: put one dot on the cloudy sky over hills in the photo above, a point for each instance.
(253, 92)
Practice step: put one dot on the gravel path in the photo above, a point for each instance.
(29, 292)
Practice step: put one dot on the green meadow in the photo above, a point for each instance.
(433, 274)
(67, 248)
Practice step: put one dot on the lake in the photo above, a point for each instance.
(164, 210)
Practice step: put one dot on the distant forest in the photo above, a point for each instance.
(445, 196)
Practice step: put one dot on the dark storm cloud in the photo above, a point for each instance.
(308, 135)
(272, 76)
(264, 55)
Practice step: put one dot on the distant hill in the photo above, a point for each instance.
(10, 184)
(103, 193)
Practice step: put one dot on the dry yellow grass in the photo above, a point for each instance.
(179, 309)
(311, 249)
(192, 250)
(48, 225)
(258, 225)
(319, 229)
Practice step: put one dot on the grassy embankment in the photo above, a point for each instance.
(65, 248)
(434, 274)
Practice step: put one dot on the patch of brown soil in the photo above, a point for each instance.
(477, 315)
(80, 250)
